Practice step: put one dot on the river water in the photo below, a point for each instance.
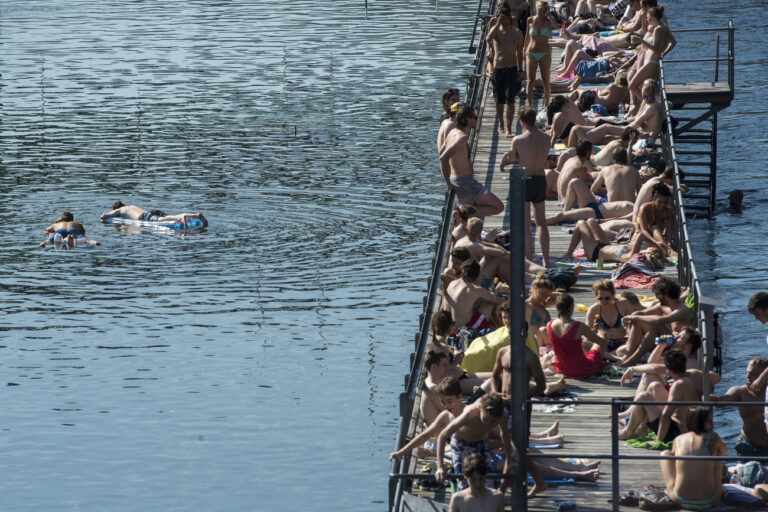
(254, 365)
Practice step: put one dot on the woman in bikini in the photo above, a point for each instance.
(536, 309)
(657, 42)
(604, 316)
(537, 50)
(695, 484)
(563, 115)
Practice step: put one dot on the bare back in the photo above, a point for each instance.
(459, 161)
(531, 149)
(622, 182)
(573, 168)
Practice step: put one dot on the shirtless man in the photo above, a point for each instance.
(758, 307)
(438, 366)
(606, 210)
(447, 125)
(753, 440)
(459, 255)
(669, 317)
(449, 393)
(576, 165)
(507, 42)
(696, 484)
(65, 221)
(468, 434)
(468, 303)
(656, 220)
(620, 182)
(493, 258)
(119, 210)
(645, 194)
(477, 497)
(647, 121)
(530, 151)
(611, 96)
(605, 156)
(551, 174)
(673, 419)
(457, 169)
(460, 217)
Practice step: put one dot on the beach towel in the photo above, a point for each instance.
(634, 275)
(557, 408)
(648, 442)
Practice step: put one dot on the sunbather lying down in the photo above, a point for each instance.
(597, 244)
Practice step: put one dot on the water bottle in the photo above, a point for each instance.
(621, 112)
(665, 339)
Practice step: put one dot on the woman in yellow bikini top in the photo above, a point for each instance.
(537, 52)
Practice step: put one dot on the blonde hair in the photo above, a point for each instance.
(654, 258)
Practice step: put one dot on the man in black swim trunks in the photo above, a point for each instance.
(133, 212)
(530, 150)
(507, 43)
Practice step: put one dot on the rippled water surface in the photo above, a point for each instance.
(254, 365)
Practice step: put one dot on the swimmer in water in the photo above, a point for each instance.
(68, 238)
(133, 212)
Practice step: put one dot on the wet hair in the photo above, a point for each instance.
(666, 287)
(735, 198)
(627, 133)
(492, 404)
(66, 217)
(694, 338)
(603, 285)
(674, 361)
(466, 211)
(527, 115)
(556, 104)
(620, 155)
(433, 358)
(668, 173)
(660, 189)
(583, 148)
(463, 116)
(657, 12)
(461, 253)
(470, 270)
(697, 420)
(564, 306)
(117, 204)
(474, 226)
(449, 386)
(474, 465)
(442, 323)
(446, 100)
(758, 300)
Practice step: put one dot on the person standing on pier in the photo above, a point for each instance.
(507, 42)
(458, 172)
(538, 52)
(530, 151)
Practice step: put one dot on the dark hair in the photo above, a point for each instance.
(463, 116)
(620, 155)
(675, 361)
(493, 404)
(668, 173)
(527, 115)
(474, 464)
(758, 300)
(627, 133)
(694, 338)
(461, 253)
(697, 421)
(66, 217)
(506, 11)
(449, 386)
(622, 79)
(666, 287)
(660, 189)
(470, 270)
(434, 357)
(556, 104)
(447, 97)
(465, 211)
(564, 305)
(583, 148)
(442, 323)
(759, 362)
(657, 12)
(649, 3)
(117, 204)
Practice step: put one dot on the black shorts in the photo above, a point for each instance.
(505, 84)
(672, 432)
(535, 189)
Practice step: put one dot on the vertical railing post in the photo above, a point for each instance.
(717, 57)
(615, 454)
(519, 381)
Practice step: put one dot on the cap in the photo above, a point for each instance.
(456, 106)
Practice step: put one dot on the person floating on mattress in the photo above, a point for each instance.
(133, 212)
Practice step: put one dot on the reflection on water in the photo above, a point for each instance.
(237, 367)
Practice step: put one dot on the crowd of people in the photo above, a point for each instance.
(619, 200)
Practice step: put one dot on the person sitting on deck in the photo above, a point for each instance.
(443, 327)
(563, 116)
(672, 419)
(565, 335)
(753, 439)
(656, 220)
(551, 174)
(670, 316)
(645, 195)
(577, 165)
(461, 215)
(459, 255)
(695, 484)
(133, 212)
(458, 172)
(477, 496)
(530, 151)
(648, 121)
(604, 316)
(470, 305)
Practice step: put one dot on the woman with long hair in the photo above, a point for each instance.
(538, 54)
